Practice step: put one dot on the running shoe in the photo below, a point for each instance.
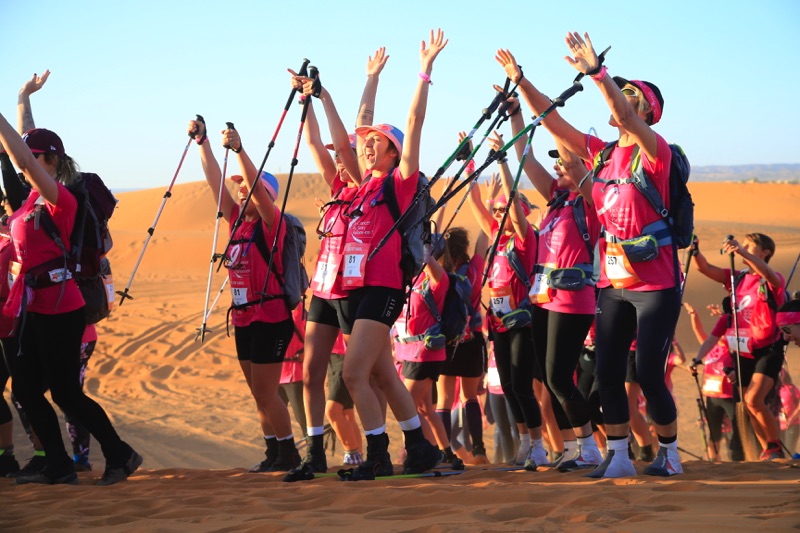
(42, 478)
(587, 457)
(113, 475)
(420, 457)
(773, 451)
(8, 464)
(667, 463)
(308, 467)
(614, 466)
(36, 464)
(377, 465)
(353, 458)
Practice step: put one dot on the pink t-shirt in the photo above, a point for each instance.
(624, 211)
(725, 330)
(502, 277)
(7, 253)
(327, 279)
(340, 346)
(715, 381)
(250, 270)
(561, 245)
(416, 318)
(748, 292)
(364, 232)
(292, 368)
(34, 247)
(790, 398)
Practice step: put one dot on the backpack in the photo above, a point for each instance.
(452, 322)
(295, 278)
(90, 241)
(415, 229)
(680, 216)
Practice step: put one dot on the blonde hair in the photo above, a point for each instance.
(67, 169)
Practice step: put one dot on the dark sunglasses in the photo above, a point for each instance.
(498, 210)
(786, 330)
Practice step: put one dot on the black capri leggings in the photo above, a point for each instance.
(650, 317)
(513, 353)
(558, 343)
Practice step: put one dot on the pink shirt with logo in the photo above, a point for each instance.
(7, 253)
(250, 270)
(624, 211)
(715, 382)
(416, 318)
(561, 245)
(373, 224)
(748, 292)
(475, 276)
(34, 247)
(502, 275)
(327, 279)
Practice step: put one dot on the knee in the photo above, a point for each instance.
(333, 410)
(356, 379)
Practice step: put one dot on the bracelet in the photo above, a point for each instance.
(600, 75)
(426, 78)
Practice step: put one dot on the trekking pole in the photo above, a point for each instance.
(701, 405)
(312, 73)
(124, 294)
(557, 102)
(460, 204)
(240, 218)
(214, 255)
(459, 151)
(791, 274)
(213, 304)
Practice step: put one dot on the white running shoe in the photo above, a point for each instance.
(522, 454)
(586, 457)
(667, 463)
(353, 458)
(616, 464)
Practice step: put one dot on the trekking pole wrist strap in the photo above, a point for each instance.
(598, 75)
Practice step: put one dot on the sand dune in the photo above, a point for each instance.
(184, 405)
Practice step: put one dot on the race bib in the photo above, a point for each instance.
(355, 258)
(327, 270)
(239, 295)
(713, 384)
(541, 290)
(502, 301)
(108, 281)
(744, 341)
(401, 331)
(618, 269)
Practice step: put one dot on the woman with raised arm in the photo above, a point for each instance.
(636, 287)
(509, 315)
(564, 295)
(263, 328)
(51, 318)
(342, 173)
(375, 287)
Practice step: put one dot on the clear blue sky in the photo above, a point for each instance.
(127, 76)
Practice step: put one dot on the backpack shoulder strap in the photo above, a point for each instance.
(645, 185)
(390, 196)
(600, 161)
(579, 213)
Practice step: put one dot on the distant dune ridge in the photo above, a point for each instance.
(184, 405)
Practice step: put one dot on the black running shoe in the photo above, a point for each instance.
(114, 475)
(36, 465)
(310, 466)
(286, 461)
(41, 478)
(8, 464)
(370, 469)
(420, 457)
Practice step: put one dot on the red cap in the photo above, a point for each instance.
(42, 141)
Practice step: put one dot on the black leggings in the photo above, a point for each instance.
(5, 410)
(513, 353)
(50, 358)
(558, 343)
(650, 317)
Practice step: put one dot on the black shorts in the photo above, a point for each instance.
(421, 371)
(337, 391)
(771, 362)
(381, 304)
(468, 360)
(327, 312)
(263, 342)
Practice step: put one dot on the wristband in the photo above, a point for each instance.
(202, 140)
(239, 150)
(600, 75)
(426, 78)
(470, 168)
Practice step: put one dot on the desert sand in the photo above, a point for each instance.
(184, 405)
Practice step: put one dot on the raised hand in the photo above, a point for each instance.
(584, 57)
(376, 63)
(428, 54)
(509, 64)
(494, 185)
(35, 83)
(197, 129)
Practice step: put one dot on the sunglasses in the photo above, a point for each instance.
(560, 162)
(627, 91)
(786, 330)
(498, 210)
